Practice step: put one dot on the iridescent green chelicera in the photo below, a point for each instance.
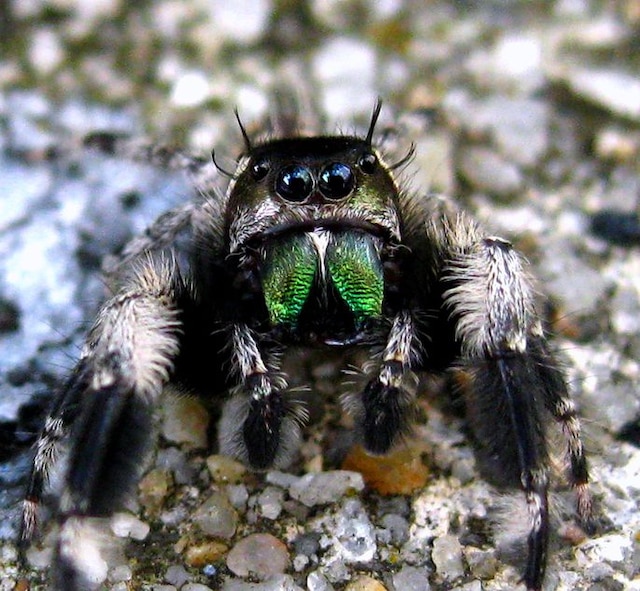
(355, 269)
(349, 260)
(287, 278)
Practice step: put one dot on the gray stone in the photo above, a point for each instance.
(471, 586)
(216, 517)
(120, 573)
(483, 564)
(175, 460)
(411, 578)
(176, 575)
(487, 171)
(517, 126)
(569, 279)
(274, 583)
(260, 555)
(269, 502)
(316, 581)
(125, 525)
(615, 90)
(354, 533)
(397, 528)
(325, 487)
(447, 556)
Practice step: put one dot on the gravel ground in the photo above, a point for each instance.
(527, 112)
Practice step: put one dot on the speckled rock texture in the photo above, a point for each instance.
(528, 113)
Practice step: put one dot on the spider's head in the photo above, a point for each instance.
(312, 223)
(311, 183)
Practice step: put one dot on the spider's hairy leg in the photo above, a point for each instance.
(259, 425)
(48, 448)
(492, 305)
(125, 363)
(559, 403)
(385, 409)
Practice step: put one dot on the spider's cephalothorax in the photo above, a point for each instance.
(315, 219)
(312, 244)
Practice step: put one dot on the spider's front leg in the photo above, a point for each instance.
(258, 425)
(103, 416)
(516, 380)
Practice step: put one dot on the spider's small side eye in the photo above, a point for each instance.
(294, 183)
(336, 180)
(368, 162)
(260, 169)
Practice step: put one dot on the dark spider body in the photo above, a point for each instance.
(313, 244)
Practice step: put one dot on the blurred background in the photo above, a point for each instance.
(527, 112)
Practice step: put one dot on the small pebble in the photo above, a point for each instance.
(615, 549)
(325, 487)
(471, 586)
(398, 473)
(307, 543)
(274, 583)
(195, 587)
(176, 575)
(154, 488)
(397, 528)
(209, 570)
(200, 555)
(490, 172)
(364, 583)
(120, 573)
(185, 421)
(300, 562)
(269, 502)
(216, 517)
(175, 461)
(316, 581)
(260, 555)
(615, 91)
(125, 525)
(483, 564)
(447, 556)
(411, 578)
(225, 470)
(238, 496)
(174, 516)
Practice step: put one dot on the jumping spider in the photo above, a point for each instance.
(313, 244)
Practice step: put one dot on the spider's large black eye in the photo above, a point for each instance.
(260, 169)
(294, 183)
(336, 180)
(368, 162)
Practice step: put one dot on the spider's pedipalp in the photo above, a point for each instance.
(385, 409)
(259, 425)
